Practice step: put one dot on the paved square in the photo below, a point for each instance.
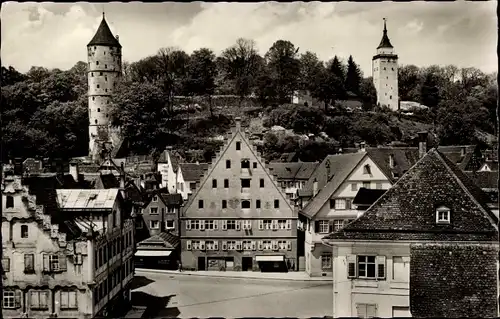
(191, 296)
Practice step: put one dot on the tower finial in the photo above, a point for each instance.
(103, 14)
(385, 26)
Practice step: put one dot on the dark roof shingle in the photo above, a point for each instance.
(104, 36)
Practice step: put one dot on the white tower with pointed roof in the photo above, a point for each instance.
(385, 73)
(104, 68)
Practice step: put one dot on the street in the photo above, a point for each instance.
(168, 295)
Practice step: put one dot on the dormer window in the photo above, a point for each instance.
(443, 215)
(367, 169)
(155, 198)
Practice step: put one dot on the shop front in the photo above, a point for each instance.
(271, 263)
(155, 259)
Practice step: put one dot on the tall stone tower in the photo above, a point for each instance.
(385, 73)
(104, 68)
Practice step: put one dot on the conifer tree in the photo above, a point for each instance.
(353, 77)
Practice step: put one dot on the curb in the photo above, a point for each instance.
(166, 272)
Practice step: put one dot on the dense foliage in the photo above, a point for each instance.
(173, 98)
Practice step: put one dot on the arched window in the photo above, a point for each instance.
(24, 231)
(10, 202)
(245, 204)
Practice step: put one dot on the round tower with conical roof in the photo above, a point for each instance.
(385, 73)
(104, 68)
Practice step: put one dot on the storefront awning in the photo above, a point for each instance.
(270, 258)
(153, 253)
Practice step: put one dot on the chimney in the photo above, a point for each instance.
(122, 176)
(238, 123)
(117, 38)
(422, 144)
(315, 187)
(362, 147)
(73, 170)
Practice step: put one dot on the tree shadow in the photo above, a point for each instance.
(156, 307)
(140, 281)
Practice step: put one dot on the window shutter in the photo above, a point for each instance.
(224, 245)
(351, 266)
(316, 226)
(216, 224)
(259, 244)
(238, 226)
(254, 246)
(18, 301)
(62, 262)
(188, 224)
(289, 245)
(188, 244)
(46, 263)
(380, 267)
(330, 226)
(224, 224)
(202, 224)
(371, 311)
(216, 245)
(261, 224)
(289, 224)
(361, 310)
(348, 203)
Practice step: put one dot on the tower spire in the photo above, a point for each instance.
(385, 43)
(385, 25)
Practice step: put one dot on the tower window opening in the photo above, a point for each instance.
(92, 74)
(105, 66)
(107, 102)
(97, 85)
(390, 97)
(104, 52)
(96, 62)
(95, 48)
(105, 78)
(392, 69)
(93, 98)
(100, 73)
(384, 68)
(106, 90)
(387, 77)
(106, 115)
(98, 110)
(95, 121)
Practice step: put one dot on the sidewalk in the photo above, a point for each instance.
(290, 276)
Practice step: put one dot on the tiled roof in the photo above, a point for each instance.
(385, 43)
(306, 170)
(340, 166)
(172, 199)
(407, 210)
(293, 170)
(165, 239)
(445, 281)
(103, 36)
(87, 198)
(192, 172)
(366, 196)
(484, 179)
(108, 181)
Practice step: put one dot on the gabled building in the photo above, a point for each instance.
(238, 218)
(65, 253)
(428, 247)
(189, 176)
(292, 176)
(328, 205)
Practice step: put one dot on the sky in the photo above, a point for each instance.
(55, 35)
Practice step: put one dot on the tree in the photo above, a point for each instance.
(408, 80)
(336, 79)
(173, 67)
(240, 64)
(310, 68)
(284, 68)
(201, 74)
(353, 77)
(368, 94)
(454, 128)
(429, 94)
(11, 76)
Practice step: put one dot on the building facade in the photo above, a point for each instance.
(385, 73)
(415, 251)
(104, 68)
(238, 218)
(334, 186)
(292, 176)
(61, 259)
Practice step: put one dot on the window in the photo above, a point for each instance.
(254, 164)
(400, 268)
(442, 215)
(231, 224)
(340, 203)
(105, 66)
(226, 183)
(267, 245)
(96, 62)
(326, 261)
(6, 264)
(366, 267)
(155, 198)
(245, 204)
(154, 224)
(238, 146)
(105, 78)
(210, 224)
(97, 85)
(276, 203)
(24, 231)
(366, 310)
(192, 186)
(224, 204)
(153, 210)
(29, 261)
(247, 245)
(138, 224)
(378, 185)
(68, 299)
(105, 90)
(100, 73)
(367, 169)
(92, 74)
(261, 183)
(93, 98)
(11, 299)
(214, 183)
(324, 227)
(98, 110)
(245, 164)
(39, 300)
(257, 203)
(354, 187)
(338, 224)
(169, 224)
(228, 164)
(366, 185)
(200, 203)
(9, 202)
(245, 183)
(195, 224)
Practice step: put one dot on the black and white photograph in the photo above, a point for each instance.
(249, 160)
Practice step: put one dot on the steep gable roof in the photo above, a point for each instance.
(407, 210)
(293, 170)
(163, 240)
(103, 36)
(192, 172)
(329, 179)
(485, 180)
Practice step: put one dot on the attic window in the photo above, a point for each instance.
(238, 146)
(245, 204)
(443, 215)
(254, 164)
(10, 202)
(155, 198)
(245, 163)
(367, 169)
